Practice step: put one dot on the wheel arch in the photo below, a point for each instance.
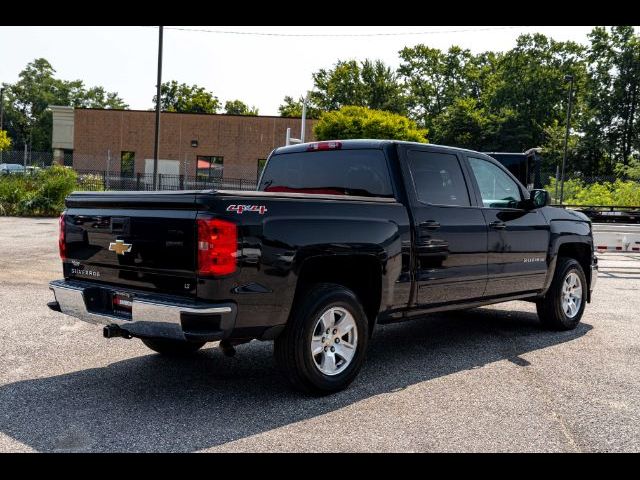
(577, 247)
(360, 273)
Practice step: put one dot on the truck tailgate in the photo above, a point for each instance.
(137, 240)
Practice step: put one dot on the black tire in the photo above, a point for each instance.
(292, 348)
(172, 348)
(550, 308)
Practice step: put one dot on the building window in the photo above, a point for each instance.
(127, 163)
(67, 156)
(261, 163)
(209, 167)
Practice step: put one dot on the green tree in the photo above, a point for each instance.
(435, 79)
(5, 141)
(448, 93)
(95, 97)
(614, 93)
(293, 108)
(238, 107)
(182, 98)
(631, 170)
(553, 148)
(362, 122)
(369, 84)
(530, 81)
(27, 116)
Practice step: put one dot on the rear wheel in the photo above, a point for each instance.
(323, 346)
(564, 303)
(173, 348)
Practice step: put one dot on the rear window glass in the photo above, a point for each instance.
(335, 172)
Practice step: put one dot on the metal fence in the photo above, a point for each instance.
(97, 180)
(27, 158)
(101, 172)
(548, 177)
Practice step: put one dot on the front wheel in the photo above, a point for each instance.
(563, 305)
(172, 348)
(323, 345)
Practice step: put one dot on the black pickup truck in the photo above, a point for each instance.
(340, 236)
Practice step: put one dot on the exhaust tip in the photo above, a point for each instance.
(113, 331)
(55, 306)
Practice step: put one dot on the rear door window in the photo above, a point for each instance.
(438, 178)
(361, 172)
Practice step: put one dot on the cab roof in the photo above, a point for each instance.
(355, 144)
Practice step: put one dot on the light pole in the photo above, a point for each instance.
(304, 117)
(156, 145)
(567, 78)
(289, 139)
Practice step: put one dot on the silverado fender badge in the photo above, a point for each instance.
(120, 247)
(247, 208)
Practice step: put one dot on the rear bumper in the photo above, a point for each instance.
(152, 316)
(594, 274)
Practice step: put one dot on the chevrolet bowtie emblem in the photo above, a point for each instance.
(120, 247)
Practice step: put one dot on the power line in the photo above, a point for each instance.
(324, 35)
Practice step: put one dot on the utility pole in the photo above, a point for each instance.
(567, 78)
(1, 114)
(109, 169)
(156, 146)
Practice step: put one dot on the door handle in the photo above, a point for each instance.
(430, 225)
(498, 225)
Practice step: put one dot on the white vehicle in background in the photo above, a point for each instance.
(11, 168)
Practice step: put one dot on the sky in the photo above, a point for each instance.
(257, 69)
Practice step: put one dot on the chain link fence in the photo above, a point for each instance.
(27, 158)
(98, 180)
(548, 177)
(104, 172)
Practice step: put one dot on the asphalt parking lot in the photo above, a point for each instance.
(484, 380)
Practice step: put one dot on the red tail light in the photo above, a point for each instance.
(217, 246)
(62, 244)
(313, 147)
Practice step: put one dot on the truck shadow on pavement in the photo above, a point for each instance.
(150, 403)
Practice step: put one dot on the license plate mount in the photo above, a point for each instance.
(122, 304)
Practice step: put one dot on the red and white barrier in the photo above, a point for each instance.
(616, 238)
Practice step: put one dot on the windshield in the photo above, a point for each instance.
(360, 172)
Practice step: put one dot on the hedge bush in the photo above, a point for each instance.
(620, 192)
(41, 193)
(362, 122)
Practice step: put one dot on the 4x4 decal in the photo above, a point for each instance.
(247, 208)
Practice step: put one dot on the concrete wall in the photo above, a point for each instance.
(63, 130)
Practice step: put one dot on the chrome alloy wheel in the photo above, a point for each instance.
(334, 341)
(571, 295)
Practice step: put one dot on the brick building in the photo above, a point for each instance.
(202, 145)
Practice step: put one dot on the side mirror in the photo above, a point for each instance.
(539, 198)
